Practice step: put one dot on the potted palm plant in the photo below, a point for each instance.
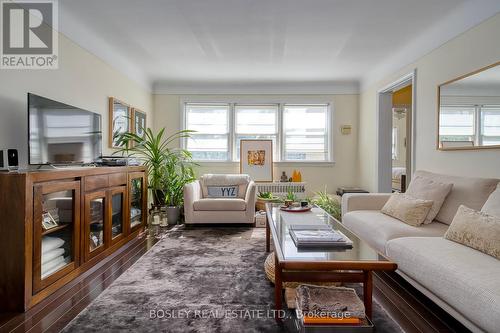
(169, 168)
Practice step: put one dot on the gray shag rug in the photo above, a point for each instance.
(195, 280)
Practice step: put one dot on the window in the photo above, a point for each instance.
(300, 132)
(255, 122)
(394, 143)
(490, 125)
(211, 123)
(457, 123)
(305, 132)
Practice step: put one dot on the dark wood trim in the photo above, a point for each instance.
(412, 310)
(322, 276)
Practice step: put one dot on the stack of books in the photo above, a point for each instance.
(318, 236)
(320, 309)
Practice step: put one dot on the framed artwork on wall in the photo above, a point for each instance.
(119, 120)
(256, 159)
(138, 122)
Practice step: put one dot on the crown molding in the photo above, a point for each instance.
(465, 17)
(263, 88)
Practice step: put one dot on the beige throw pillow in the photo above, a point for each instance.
(477, 230)
(429, 189)
(492, 205)
(405, 208)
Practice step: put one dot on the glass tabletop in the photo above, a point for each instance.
(280, 221)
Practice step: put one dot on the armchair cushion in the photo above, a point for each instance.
(241, 181)
(220, 204)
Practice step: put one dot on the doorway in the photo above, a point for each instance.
(396, 115)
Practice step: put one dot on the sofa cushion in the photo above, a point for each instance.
(465, 279)
(225, 180)
(377, 228)
(220, 204)
(222, 191)
(471, 192)
(477, 230)
(407, 209)
(429, 189)
(492, 205)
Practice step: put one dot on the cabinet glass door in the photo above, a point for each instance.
(95, 221)
(56, 229)
(138, 205)
(118, 213)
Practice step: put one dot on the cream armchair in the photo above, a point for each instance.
(200, 207)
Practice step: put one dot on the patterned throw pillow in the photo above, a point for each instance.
(475, 229)
(405, 208)
(222, 191)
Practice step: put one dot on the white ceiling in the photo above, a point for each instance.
(185, 45)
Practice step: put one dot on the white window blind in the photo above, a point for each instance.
(255, 122)
(211, 123)
(300, 132)
(490, 125)
(456, 123)
(305, 130)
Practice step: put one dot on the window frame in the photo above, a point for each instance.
(280, 126)
(229, 128)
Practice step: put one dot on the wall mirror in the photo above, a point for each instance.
(469, 111)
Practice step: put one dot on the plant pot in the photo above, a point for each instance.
(173, 214)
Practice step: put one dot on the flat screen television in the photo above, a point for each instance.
(62, 134)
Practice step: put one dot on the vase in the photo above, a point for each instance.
(173, 214)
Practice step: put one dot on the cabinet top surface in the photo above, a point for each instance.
(72, 172)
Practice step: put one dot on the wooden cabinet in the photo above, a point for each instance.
(95, 224)
(56, 231)
(138, 206)
(55, 225)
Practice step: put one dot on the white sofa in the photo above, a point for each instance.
(200, 208)
(463, 281)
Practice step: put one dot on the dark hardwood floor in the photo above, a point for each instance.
(55, 312)
(413, 311)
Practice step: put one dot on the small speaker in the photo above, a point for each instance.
(9, 159)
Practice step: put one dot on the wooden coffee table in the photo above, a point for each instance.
(328, 265)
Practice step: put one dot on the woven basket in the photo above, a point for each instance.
(269, 269)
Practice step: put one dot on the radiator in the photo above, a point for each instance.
(282, 189)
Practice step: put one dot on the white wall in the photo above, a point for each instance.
(82, 80)
(470, 51)
(342, 172)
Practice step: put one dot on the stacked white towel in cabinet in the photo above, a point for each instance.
(53, 258)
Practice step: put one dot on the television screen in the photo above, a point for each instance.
(62, 134)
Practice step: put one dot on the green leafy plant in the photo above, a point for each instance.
(265, 195)
(329, 203)
(291, 196)
(169, 168)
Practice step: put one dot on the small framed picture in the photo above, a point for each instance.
(48, 221)
(256, 159)
(138, 122)
(119, 120)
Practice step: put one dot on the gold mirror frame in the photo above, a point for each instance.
(438, 147)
